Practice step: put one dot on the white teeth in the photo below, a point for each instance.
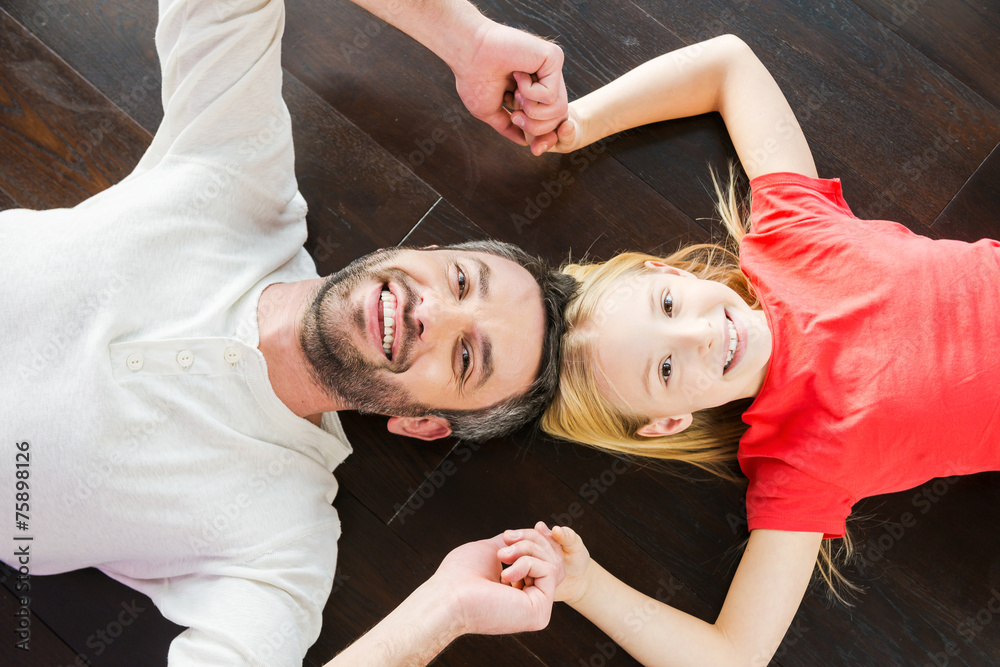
(389, 325)
(733, 341)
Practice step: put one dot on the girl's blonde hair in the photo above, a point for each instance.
(580, 413)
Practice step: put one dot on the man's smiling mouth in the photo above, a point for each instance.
(387, 318)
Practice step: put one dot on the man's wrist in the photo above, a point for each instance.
(412, 634)
(463, 34)
(433, 611)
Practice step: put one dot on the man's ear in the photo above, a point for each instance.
(422, 428)
(666, 268)
(666, 426)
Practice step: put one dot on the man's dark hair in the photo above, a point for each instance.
(510, 414)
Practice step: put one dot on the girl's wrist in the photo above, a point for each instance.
(586, 584)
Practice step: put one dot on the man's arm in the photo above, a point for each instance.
(465, 595)
(484, 56)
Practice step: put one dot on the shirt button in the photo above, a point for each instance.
(134, 361)
(232, 355)
(185, 359)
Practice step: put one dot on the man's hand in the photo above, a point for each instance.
(485, 603)
(487, 73)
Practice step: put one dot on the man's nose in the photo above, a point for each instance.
(439, 318)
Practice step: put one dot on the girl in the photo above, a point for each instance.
(866, 351)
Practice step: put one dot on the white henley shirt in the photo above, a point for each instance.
(158, 451)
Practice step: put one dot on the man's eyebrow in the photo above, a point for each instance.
(484, 278)
(485, 344)
(487, 367)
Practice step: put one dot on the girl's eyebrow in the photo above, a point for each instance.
(648, 366)
(653, 310)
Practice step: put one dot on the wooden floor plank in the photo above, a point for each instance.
(6, 201)
(963, 36)
(44, 647)
(972, 214)
(61, 141)
(443, 224)
(108, 43)
(353, 208)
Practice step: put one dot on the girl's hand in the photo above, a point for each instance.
(568, 137)
(576, 562)
(559, 545)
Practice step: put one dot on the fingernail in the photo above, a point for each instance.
(543, 147)
(514, 534)
(518, 120)
(506, 551)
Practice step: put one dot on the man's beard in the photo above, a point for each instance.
(330, 325)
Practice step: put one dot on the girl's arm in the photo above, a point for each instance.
(762, 600)
(721, 74)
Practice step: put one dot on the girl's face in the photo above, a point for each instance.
(670, 344)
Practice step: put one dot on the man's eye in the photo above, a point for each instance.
(666, 368)
(465, 359)
(461, 282)
(668, 304)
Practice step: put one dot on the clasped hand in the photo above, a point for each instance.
(504, 60)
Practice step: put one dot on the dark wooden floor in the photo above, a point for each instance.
(899, 98)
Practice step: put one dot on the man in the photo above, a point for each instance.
(181, 436)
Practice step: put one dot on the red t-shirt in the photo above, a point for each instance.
(885, 366)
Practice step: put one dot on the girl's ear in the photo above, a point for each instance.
(666, 268)
(666, 426)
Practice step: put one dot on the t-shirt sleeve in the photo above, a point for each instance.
(781, 199)
(782, 497)
(265, 612)
(222, 103)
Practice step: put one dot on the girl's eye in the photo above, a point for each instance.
(461, 282)
(666, 368)
(465, 360)
(668, 305)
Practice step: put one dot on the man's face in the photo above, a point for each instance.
(466, 331)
